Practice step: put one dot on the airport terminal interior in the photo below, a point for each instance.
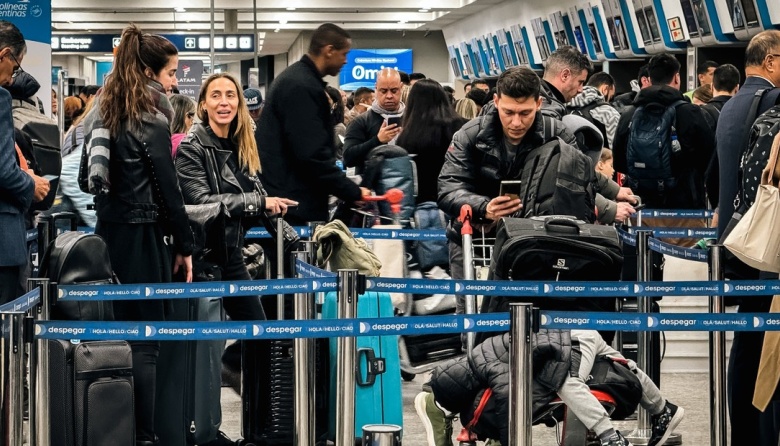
(71, 44)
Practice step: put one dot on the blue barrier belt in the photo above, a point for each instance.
(696, 233)
(676, 213)
(420, 286)
(32, 234)
(415, 325)
(318, 328)
(309, 271)
(193, 290)
(697, 255)
(24, 303)
(626, 237)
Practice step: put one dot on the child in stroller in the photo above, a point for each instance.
(562, 362)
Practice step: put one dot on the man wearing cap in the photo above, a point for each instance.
(254, 102)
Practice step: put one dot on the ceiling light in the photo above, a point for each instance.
(423, 10)
(283, 21)
(401, 22)
(291, 8)
(179, 9)
(276, 30)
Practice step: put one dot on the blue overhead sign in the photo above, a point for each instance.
(32, 17)
(363, 65)
(105, 43)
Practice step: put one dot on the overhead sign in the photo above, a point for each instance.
(363, 65)
(188, 77)
(105, 43)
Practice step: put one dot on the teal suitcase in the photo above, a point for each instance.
(378, 396)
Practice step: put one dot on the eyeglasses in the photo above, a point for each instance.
(18, 68)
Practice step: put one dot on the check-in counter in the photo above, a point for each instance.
(744, 18)
(588, 28)
(625, 45)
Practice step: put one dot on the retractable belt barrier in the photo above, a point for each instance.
(22, 304)
(427, 286)
(697, 255)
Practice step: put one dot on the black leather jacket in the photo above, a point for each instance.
(144, 187)
(206, 177)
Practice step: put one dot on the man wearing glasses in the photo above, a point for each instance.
(18, 187)
(762, 71)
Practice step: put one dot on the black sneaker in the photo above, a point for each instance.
(664, 423)
(616, 440)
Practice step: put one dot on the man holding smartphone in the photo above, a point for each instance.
(381, 124)
(489, 151)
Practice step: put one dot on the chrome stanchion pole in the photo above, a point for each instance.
(717, 355)
(468, 274)
(62, 79)
(345, 367)
(280, 265)
(39, 370)
(520, 375)
(304, 363)
(13, 364)
(644, 263)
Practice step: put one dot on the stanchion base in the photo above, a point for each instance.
(641, 438)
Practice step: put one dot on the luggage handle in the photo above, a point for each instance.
(562, 225)
(374, 366)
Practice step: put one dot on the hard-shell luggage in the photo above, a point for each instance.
(91, 393)
(554, 248)
(189, 375)
(378, 387)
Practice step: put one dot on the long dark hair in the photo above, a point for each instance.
(429, 120)
(337, 110)
(125, 96)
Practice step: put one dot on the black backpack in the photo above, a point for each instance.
(612, 376)
(585, 113)
(558, 179)
(652, 147)
(78, 258)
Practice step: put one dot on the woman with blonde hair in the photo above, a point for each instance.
(467, 108)
(218, 162)
(140, 210)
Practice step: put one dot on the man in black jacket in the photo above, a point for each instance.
(492, 148)
(295, 134)
(693, 133)
(381, 124)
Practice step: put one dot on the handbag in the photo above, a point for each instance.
(755, 239)
(337, 246)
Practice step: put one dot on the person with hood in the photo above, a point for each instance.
(593, 104)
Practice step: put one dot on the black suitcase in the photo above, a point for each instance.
(554, 248)
(91, 393)
(189, 379)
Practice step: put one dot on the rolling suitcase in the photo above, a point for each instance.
(378, 386)
(555, 248)
(189, 379)
(91, 393)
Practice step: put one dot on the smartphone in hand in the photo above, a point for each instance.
(511, 188)
(394, 120)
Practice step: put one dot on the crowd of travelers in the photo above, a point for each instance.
(135, 153)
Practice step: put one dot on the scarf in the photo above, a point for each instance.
(97, 154)
(376, 108)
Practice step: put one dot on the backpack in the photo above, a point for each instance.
(652, 146)
(613, 376)
(558, 179)
(44, 134)
(585, 113)
(390, 167)
(78, 258)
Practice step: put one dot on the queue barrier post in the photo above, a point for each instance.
(641, 435)
(304, 359)
(345, 366)
(382, 435)
(13, 375)
(717, 352)
(40, 416)
(520, 409)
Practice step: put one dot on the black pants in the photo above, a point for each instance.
(748, 424)
(244, 308)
